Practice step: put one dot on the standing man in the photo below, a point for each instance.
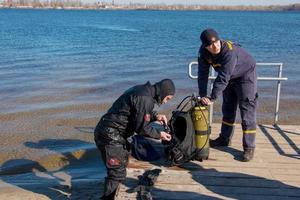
(237, 80)
(131, 112)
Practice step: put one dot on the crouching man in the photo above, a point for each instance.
(131, 112)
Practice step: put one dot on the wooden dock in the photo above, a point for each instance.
(273, 174)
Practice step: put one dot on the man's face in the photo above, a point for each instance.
(166, 99)
(214, 48)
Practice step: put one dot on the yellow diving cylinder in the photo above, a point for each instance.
(200, 117)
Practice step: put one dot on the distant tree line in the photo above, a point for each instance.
(107, 4)
(292, 7)
(43, 3)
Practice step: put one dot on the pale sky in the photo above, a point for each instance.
(202, 2)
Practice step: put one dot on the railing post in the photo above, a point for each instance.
(278, 94)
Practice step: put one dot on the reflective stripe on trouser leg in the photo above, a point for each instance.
(227, 130)
(249, 139)
(229, 108)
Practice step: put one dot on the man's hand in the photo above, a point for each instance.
(206, 101)
(162, 118)
(165, 136)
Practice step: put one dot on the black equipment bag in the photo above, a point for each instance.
(182, 147)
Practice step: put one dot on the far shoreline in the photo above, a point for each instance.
(154, 7)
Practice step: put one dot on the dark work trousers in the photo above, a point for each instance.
(115, 156)
(242, 92)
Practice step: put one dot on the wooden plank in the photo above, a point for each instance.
(256, 163)
(208, 173)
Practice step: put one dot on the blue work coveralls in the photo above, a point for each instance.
(237, 80)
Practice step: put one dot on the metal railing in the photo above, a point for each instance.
(279, 78)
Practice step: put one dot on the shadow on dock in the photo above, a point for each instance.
(266, 130)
